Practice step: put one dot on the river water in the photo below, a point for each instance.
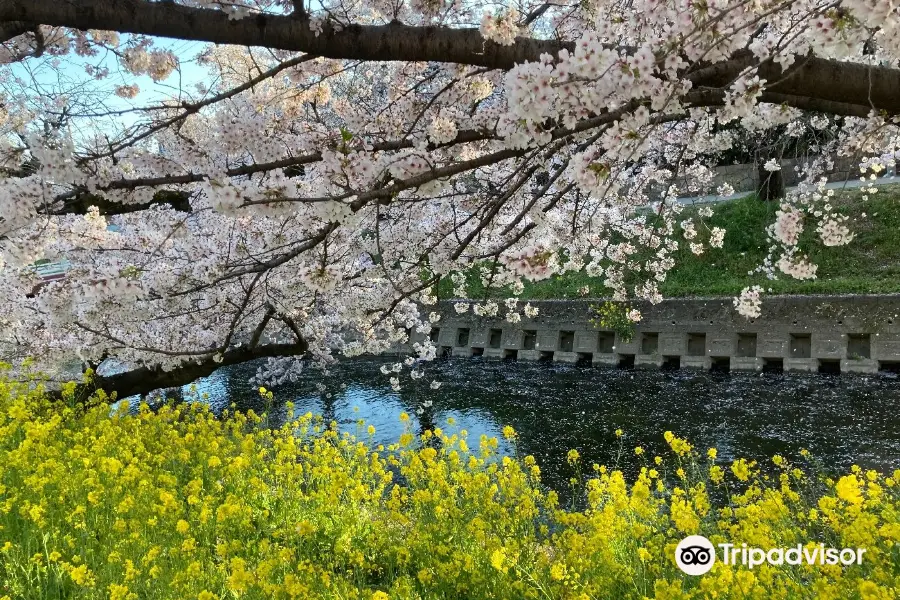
(841, 420)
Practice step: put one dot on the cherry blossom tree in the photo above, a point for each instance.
(346, 156)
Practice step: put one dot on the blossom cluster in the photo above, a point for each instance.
(501, 28)
(158, 64)
(788, 225)
(533, 263)
(749, 302)
(329, 199)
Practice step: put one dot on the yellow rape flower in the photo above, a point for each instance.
(741, 469)
(119, 592)
(847, 489)
(297, 510)
(498, 560)
(81, 575)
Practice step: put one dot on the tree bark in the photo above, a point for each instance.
(144, 380)
(12, 29)
(771, 184)
(79, 204)
(811, 83)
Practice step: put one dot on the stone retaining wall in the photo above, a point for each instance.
(795, 333)
(745, 177)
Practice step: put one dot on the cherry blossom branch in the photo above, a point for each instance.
(816, 78)
(257, 333)
(77, 201)
(145, 379)
(194, 107)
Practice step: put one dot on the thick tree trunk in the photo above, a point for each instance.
(11, 29)
(810, 84)
(771, 184)
(80, 203)
(144, 380)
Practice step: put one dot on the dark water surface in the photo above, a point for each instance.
(842, 420)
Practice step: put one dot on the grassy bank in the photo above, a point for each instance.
(179, 504)
(869, 264)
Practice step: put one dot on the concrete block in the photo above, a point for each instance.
(859, 365)
(585, 341)
(630, 347)
(565, 357)
(447, 336)
(772, 345)
(494, 336)
(886, 346)
(493, 353)
(746, 363)
(801, 364)
(547, 340)
(717, 345)
(859, 345)
(745, 345)
(529, 339)
(606, 341)
(696, 344)
(566, 341)
(696, 362)
(829, 345)
(465, 351)
(672, 344)
(512, 338)
(648, 361)
(800, 345)
(529, 355)
(605, 359)
(648, 342)
(479, 337)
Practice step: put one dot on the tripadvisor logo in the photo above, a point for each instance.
(695, 555)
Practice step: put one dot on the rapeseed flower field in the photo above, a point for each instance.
(176, 503)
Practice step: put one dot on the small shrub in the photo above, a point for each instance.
(615, 316)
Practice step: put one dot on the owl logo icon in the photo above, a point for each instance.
(695, 555)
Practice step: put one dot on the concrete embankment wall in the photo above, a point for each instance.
(795, 333)
(745, 177)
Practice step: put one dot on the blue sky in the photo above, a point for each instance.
(37, 76)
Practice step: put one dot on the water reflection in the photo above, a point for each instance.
(843, 420)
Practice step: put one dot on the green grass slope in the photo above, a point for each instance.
(869, 264)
